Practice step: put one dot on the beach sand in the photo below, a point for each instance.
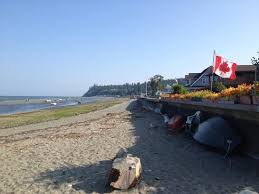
(73, 155)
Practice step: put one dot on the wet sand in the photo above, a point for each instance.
(73, 155)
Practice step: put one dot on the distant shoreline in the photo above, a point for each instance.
(14, 105)
(9, 100)
(26, 118)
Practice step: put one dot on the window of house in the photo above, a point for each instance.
(203, 81)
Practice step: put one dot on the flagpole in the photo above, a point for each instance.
(146, 89)
(211, 81)
(255, 80)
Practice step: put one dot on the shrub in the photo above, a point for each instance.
(240, 90)
(255, 89)
(218, 87)
(179, 89)
(196, 98)
(228, 93)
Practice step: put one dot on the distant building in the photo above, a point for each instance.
(166, 90)
(188, 79)
(181, 81)
(191, 77)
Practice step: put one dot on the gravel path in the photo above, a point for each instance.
(73, 155)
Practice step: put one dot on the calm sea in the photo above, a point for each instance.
(18, 104)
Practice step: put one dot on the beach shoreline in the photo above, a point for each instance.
(74, 154)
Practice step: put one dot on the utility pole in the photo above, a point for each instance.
(255, 80)
(146, 89)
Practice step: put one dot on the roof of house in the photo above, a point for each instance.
(191, 75)
(206, 71)
(244, 68)
(240, 68)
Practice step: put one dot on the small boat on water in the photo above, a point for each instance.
(59, 100)
(53, 103)
(216, 132)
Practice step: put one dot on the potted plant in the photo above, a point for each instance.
(245, 99)
(244, 93)
(240, 94)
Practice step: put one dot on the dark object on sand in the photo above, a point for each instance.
(216, 132)
(176, 123)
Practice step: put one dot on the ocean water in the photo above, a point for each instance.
(18, 104)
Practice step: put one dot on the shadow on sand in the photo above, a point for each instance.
(172, 163)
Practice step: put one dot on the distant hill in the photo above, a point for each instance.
(121, 90)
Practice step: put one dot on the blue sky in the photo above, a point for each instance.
(52, 47)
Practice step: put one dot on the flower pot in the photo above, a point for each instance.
(255, 100)
(245, 100)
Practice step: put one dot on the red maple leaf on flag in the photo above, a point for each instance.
(224, 67)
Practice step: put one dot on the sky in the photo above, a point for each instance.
(61, 47)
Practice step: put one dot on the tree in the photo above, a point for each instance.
(155, 83)
(218, 87)
(179, 89)
(138, 88)
(255, 61)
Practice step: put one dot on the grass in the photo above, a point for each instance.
(19, 119)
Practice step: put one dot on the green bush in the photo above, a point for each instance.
(179, 89)
(218, 87)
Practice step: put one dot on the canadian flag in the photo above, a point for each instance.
(224, 68)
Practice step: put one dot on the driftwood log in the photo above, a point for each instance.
(126, 171)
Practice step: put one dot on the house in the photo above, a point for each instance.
(244, 74)
(202, 80)
(190, 78)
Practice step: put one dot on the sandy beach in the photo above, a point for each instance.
(73, 155)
